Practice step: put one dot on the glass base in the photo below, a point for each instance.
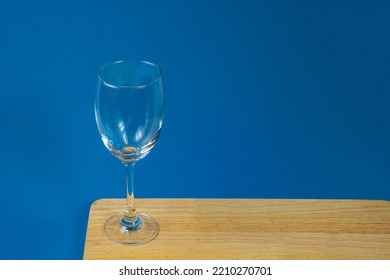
(121, 234)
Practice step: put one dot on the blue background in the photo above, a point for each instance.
(264, 99)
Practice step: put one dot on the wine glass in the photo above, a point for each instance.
(129, 112)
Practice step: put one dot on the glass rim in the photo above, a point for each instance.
(130, 86)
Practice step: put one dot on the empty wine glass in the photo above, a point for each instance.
(129, 111)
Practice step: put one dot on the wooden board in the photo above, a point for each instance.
(249, 229)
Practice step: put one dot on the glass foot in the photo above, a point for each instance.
(118, 233)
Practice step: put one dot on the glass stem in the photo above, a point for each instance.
(130, 218)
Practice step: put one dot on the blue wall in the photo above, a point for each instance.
(264, 99)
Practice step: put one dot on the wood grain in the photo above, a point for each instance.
(249, 229)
